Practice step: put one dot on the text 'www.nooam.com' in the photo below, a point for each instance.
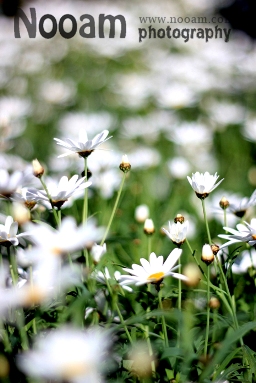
(184, 33)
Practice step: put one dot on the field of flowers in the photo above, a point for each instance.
(128, 194)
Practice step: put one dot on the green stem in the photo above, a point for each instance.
(164, 329)
(206, 223)
(179, 308)
(231, 301)
(114, 210)
(31, 282)
(50, 200)
(85, 207)
(149, 244)
(13, 266)
(208, 312)
(123, 323)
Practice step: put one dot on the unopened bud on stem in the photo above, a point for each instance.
(125, 165)
(207, 255)
(38, 170)
(149, 228)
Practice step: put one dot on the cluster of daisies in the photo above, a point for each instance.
(39, 265)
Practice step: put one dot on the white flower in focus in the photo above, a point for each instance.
(61, 192)
(154, 270)
(177, 232)
(8, 233)
(70, 354)
(83, 147)
(203, 184)
(68, 238)
(245, 233)
(97, 251)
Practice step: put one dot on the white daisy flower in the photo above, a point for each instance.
(101, 277)
(26, 197)
(203, 184)
(177, 232)
(83, 147)
(240, 206)
(154, 270)
(245, 233)
(9, 183)
(61, 192)
(70, 354)
(8, 233)
(68, 238)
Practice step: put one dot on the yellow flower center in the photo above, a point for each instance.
(75, 369)
(254, 236)
(156, 277)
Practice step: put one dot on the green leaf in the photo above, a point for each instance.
(225, 348)
(225, 362)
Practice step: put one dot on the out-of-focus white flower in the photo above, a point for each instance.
(98, 251)
(141, 213)
(70, 354)
(20, 213)
(62, 191)
(101, 277)
(8, 233)
(25, 197)
(58, 92)
(68, 238)
(247, 260)
(154, 270)
(203, 184)
(83, 147)
(178, 167)
(9, 183)
(240, 206)
(177, 232)
(245, 233)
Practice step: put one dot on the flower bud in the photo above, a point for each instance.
(215, 249)
(20, 213)
(179, 218)
(224, 203)
(141, 213)
(38, 170)
(214, 303)
(207, 255)
(192, 272)
(149, 228)
(125, 165)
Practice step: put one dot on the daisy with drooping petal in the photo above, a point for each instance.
(245, 233)
(70, 354)
(203, 184)
(154, 270)
(61, 192)
(177, 232)
(8, 233)
(83, 147)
